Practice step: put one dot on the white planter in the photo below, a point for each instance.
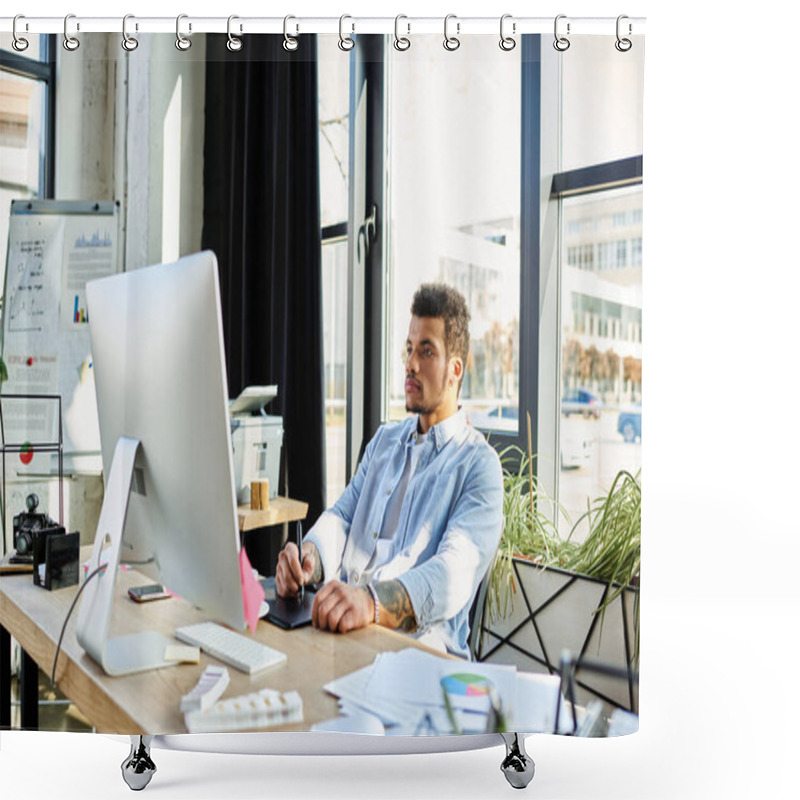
(552, 612)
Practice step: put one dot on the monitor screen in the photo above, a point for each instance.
(160, 377)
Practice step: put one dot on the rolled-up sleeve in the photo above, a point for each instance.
(441, 587)
(329, 533)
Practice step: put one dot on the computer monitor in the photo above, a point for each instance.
(162, 401)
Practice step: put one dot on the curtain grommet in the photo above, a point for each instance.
(234, 43)
(181, 42)
(71, 43)
(507, 43)
(451, 43)
(19, 43)
(290, 43)
(346, 44)
(561, 43)
(401, 43)
(129, 43)
(623, 44)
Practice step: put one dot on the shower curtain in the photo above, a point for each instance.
(333, 176)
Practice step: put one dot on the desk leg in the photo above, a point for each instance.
(5, 678)
(29, 694)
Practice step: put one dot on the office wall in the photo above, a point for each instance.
(85, 84)
(164, 151)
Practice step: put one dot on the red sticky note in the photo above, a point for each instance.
(252, 593)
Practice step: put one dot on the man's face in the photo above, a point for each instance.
(431, 377)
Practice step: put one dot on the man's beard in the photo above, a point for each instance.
(427, 408)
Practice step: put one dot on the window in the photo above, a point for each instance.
(334, 136)
(26, 124)
(457, 225)
(601, 356)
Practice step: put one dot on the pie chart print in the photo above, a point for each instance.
(465, 684)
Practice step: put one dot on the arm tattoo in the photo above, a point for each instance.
(396, 609)
(316, 576)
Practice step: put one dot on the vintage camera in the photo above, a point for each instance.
(26, 527)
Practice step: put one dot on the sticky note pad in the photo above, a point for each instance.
(183, 653)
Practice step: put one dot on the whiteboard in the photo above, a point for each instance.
(54, 248)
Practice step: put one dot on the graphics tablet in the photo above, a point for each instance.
(288, 613)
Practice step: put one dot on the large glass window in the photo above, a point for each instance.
(334, 133)
(25, 150)
(454, 194)
(601, 345)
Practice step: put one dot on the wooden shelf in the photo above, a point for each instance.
(281, 509)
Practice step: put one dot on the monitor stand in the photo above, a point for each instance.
(122, 655)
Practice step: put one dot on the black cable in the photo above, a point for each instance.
(64, 626)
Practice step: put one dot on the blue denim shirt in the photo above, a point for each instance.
(450, 522)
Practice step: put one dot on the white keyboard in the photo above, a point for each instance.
(239, 651)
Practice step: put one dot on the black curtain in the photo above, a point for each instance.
(261, 217)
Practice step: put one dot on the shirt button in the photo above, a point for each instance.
(355, 577)
(388, 491)
(374, 534)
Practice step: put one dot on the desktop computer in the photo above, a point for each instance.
(162, 401)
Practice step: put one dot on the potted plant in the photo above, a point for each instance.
(548, 594)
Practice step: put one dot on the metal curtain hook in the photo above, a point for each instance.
(289, 42)
(623, 45)
(345, 42)
(19, 43)
(561, 43)
(507, 42)
(451, 42)
(181, 42)
(234, 44)
(70, 42)
(401, 42)
(128, 42)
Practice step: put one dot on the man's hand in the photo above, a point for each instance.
(290, 575)
(341, 608)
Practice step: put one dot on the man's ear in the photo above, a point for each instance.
(458, 368)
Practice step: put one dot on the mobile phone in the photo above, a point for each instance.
(143, 594)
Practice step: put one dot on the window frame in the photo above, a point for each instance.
(42, 69)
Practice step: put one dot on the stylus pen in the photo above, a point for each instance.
(300, 553)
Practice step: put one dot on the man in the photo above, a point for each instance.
(414, 532)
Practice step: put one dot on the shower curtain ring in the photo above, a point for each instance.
(623, 45)
(561, 43)
(181, 42)
(234, 44)
(401, 43)
(71, 43)
(451, 42)
(289, 42)
(507, 42)
(345, 42)
(19, 43)
(128, 42)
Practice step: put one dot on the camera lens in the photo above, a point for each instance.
(24, 544)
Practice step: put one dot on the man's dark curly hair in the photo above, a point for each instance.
(441, 301)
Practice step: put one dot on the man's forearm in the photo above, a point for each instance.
(396, 611)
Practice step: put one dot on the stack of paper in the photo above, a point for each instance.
(409, 693)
